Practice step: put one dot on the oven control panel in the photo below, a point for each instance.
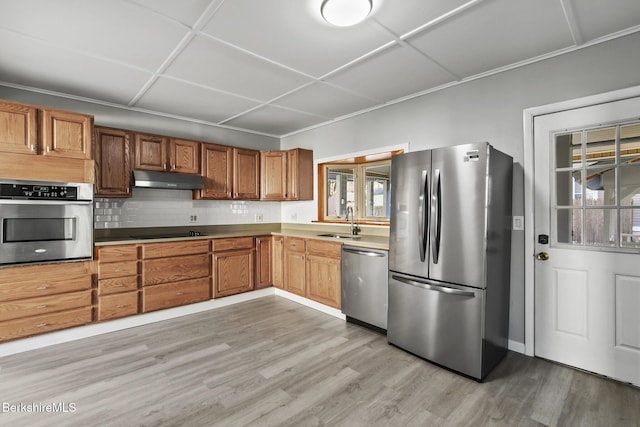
(38, 192)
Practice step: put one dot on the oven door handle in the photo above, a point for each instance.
(45, 202)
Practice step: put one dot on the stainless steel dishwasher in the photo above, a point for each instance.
(365, 277)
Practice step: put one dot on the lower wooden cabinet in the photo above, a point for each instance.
(294, 261)
(43, 298)
(118, 282)
(323, 272)
(117, 305)
(175, 294)
(233, 266)
(263, 262)
(277, 258)
(174, 274)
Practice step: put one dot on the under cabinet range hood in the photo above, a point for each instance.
(167, 180)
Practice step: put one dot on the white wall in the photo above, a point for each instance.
(487, 109)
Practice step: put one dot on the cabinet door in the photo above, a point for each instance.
(246, 174)
(299, 174)
(217, 172)
(277, 268)
(184, 156)
(273, 171)
(150, 152)
(232, 272)
(66, 134)
(17, 128)
(112, 156)
(294, 265)
(323, 280)
(263, 262)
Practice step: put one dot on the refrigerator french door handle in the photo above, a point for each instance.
(433, 287)
(423, 215)
(436, 216)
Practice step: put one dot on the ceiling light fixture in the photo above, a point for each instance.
(344, 13)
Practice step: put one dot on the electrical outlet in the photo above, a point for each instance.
(518, 223)
(193, 218)
(294, 217)
(259, 218)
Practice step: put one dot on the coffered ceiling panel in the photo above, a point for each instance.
(403, 70)
(275, 66)
(274, 120)
(115, 29)
(34, 63)
(495, 34)
(193, 101)
(325, 100)
(293, 33)
(599, 18)
(219, 66)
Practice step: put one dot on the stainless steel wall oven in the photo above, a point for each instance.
(45, 222)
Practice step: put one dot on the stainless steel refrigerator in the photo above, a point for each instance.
(449, 256)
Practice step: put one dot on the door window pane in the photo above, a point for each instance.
(601, 187)
(568, 150)
(569, 226)
(568, 188)
(630, 143)
(630, 227)
(600, 227)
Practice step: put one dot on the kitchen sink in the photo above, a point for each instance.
(340, 236)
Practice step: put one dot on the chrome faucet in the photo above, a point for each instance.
(354, 227)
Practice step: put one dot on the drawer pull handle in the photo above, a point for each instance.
(119, 270)
(41, 325)
(42, 288)
(41, 306)
(118, 285)
(179, 293)
(119, 254)
(120, 306)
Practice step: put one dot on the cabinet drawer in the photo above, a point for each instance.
(166, 270)
(117, 269)
(117, 253)
(117, 284)
(117, 305)
(36, 306)
(34, 325)
(49, 282)
(175, 294)
(296, 244)
(171, 249)
(324, 248)
(232, 244)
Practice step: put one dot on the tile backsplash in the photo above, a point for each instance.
(167, 208)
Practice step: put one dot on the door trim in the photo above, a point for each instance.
(529, 116)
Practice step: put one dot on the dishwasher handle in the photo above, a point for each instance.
(361, 252)
(433, 287)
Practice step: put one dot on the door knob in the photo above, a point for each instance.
(542, 256)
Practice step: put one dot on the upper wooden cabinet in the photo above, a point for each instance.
(150, 152)
(18, 128)
(66, 134)
(287, 175)
(163, 154)
(184, 156)
(229, 173)
(112, 155)
(27, 129)
(246, 174)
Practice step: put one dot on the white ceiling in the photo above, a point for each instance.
(275, 67)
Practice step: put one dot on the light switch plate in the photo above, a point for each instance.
(518, 223)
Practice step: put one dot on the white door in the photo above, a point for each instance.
(587, 201)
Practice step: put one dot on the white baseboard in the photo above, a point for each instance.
(312, 304)
(516, 346)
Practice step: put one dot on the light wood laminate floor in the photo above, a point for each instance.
(271, 361)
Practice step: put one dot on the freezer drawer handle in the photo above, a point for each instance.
(367, 253)
(437, 288)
